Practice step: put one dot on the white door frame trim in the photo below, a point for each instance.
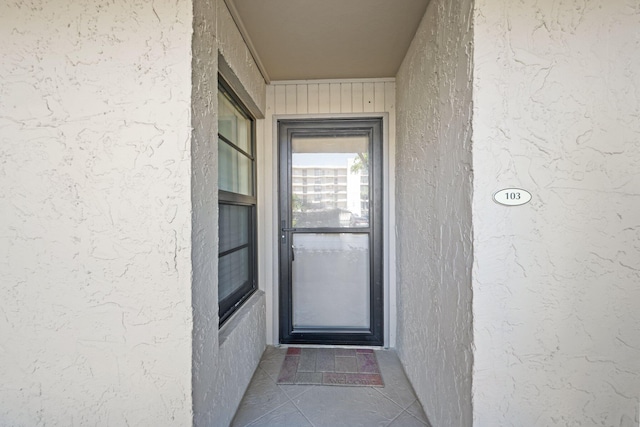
(268, 223)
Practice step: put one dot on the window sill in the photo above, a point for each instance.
(237, 318)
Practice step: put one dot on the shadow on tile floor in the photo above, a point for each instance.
(267, 403)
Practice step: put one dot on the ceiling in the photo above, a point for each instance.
(327, 39)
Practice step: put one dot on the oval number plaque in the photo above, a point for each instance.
(512, 197)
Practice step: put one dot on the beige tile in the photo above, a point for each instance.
(272, 359)
(269, 404)
(272, 352)
(294, 390)
(262, 397)
(396, 385)
(406, 420)
(416, 410)
(346, 406)
(286, 415)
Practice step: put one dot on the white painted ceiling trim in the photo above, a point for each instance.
(247, 39)
(320, 81)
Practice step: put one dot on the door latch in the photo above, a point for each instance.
(283, 230)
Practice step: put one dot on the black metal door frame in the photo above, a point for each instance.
(287, 129)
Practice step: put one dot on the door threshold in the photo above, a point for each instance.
(348, 346)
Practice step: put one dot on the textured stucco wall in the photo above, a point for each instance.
(556, 282)
(242, 343)
(236, 54)
(95, 214)
(223, 363)
(433, 185)
(204, 183)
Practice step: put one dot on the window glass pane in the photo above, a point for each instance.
(234, 226)
(233, 125)
(233, 272)
(234, 170)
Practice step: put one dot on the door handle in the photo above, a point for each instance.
(293, 253)
(283, 230)
(283, 236)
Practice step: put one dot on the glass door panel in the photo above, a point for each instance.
(331, 281)
(330, 185)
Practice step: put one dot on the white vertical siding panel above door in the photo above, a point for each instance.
(390, 107)
(356, 98)
(324, 106)
(345, 98)
(280, 100)
(302, 106)
(378, 94)
(313, 99)
(368, 97)
(290, 96)
(270, 98)
(334, 97)
(389, 96)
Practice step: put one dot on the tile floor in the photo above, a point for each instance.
(267, 403)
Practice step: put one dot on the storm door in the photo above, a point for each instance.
(330, 191)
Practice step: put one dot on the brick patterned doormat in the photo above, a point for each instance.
(331, 366)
